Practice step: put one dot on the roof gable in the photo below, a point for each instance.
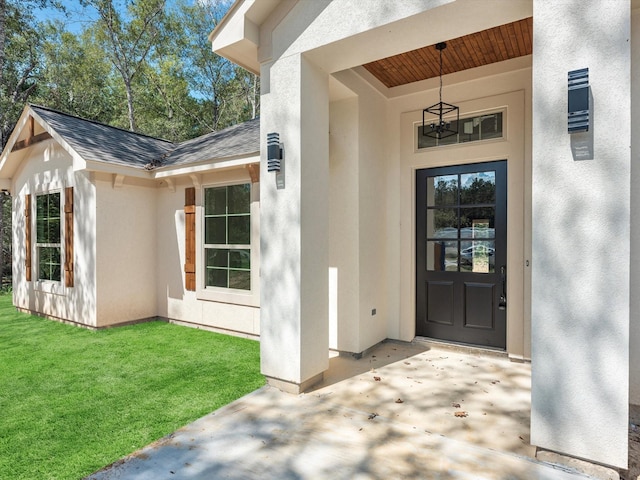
(96, 142)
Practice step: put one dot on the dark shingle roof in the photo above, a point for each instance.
(98, 142)
(241, 139)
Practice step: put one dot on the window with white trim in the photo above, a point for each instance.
(227, 237)
(48, 235)
(470, 129)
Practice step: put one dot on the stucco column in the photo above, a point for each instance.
(581, 233)
(294, 212)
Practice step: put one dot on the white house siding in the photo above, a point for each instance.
(236, 313)
(581, 238)
(125, 249)
(46, 166)
(634, 350)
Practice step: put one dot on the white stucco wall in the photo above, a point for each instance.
(233, 313)
(634, 333)
(344, 279)
(358, 217)
(336, 41)
(581, 217)
(294, 223)
(46, 167)
(125, 250)
(315, 39)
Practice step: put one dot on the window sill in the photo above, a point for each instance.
(236, 297)
(48, 286)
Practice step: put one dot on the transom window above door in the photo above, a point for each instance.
(470, 129)
(460, 223)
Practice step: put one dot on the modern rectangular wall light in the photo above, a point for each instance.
(274, 152)
(579, 108)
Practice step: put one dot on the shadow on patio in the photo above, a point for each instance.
(390, 414)
(480, 398)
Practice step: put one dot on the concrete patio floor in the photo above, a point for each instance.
(401, 411)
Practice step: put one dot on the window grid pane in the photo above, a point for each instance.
(461, 236)
(227, 232)
(470, 129)
(48, 235)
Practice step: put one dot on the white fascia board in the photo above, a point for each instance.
(79, 163)
(9, 163)
(8, 167)
(226, 164)
(106, 167)
(237, 36)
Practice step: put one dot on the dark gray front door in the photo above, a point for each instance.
(461, 256)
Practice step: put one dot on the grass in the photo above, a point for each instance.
(74, 400)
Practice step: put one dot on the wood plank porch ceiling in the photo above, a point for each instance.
(482, 48)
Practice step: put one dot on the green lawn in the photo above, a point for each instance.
(74, 400)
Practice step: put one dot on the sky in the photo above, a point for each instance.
(75, 20)
(77, 17)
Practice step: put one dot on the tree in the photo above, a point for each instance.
(18, 61)
(227, 94)
(78, 77)
(128, 38)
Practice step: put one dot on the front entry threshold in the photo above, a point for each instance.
(462, 347)
(292, 387)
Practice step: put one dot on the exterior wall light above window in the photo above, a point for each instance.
(274, 152)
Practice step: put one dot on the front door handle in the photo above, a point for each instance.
(503, 296)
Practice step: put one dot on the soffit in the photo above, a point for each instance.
(496, 44)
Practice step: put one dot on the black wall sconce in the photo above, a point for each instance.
(579, 108)
(274, 152)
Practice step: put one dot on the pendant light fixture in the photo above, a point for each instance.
(440, 127)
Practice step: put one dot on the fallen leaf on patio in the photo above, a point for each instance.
(377, 379)
(461, 414)
(399, 400)
(455, 405)
(407, 363)
(373, 356)
(360, 430)
(372, 416)
(495, 381)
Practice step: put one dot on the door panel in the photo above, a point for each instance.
(461, 246)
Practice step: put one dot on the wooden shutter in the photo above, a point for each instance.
(27, 235)
(190, 238)
(68, 237)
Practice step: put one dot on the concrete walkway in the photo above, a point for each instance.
(402, 411)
